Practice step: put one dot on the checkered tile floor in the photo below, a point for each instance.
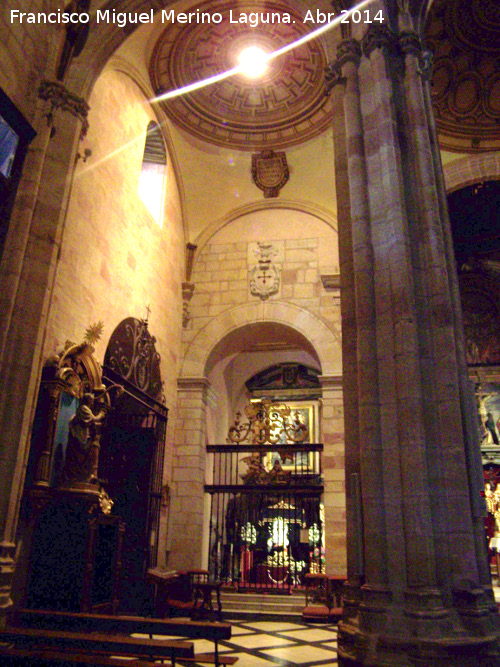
(279, 643)
(266, 644)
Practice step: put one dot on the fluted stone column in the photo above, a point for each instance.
(419, 591)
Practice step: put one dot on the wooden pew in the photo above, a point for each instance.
(16, 657)
(84, 646)
(126, 625)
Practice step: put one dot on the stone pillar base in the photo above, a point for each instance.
(423, 632)
(360, 650)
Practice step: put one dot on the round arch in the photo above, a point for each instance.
(325, 341)
(283, 204)
(471, 169)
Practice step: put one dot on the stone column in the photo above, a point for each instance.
(332, 436)
(27, 273)
(188, 474)
(419, 591)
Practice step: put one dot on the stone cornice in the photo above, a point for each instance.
(378, 37)
(330, 381)
(349, 51)
(61, 98)
(192, 383)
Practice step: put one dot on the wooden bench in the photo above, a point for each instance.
(127, 625)
(323, 597)
(84, 647)
(18, 657)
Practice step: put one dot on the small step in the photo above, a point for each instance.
(265, 606)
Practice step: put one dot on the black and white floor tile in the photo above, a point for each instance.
(277, 644)
(283, 644)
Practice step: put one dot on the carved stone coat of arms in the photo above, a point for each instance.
(270, 171)
(265, 275)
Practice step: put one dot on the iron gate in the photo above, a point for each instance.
(266, 526)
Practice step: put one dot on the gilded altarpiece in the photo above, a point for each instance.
(70, 556)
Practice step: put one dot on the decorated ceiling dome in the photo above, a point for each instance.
(464, 36)
(284, 107)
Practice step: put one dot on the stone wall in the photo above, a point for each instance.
(28, 52)
(129, 262)
(115, 259)
(306, 250)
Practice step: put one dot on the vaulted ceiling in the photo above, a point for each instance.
(464, 36)
(284, 107)
(213, 129)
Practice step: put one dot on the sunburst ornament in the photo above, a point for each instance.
(94, 332)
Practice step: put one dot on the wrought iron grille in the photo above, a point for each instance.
(145, 413)
(266, 521)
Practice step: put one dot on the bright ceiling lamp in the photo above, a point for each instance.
(253, 62)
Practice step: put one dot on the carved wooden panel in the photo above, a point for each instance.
(131, 353)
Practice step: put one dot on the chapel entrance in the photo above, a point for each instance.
(265, 519)
(266, 516)
(132, 454)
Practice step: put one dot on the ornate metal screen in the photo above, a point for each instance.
(266, 520)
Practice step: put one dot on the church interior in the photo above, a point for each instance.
(250, 324)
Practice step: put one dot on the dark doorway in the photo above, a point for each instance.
(126, 468)
(475, 222)
(132, 454)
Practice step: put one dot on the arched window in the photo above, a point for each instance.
(154, 167)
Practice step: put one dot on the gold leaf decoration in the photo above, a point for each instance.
(94, 332)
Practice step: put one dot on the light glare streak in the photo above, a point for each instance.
(274, 54)
(225, 75)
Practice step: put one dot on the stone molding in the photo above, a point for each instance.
(192, 383)
(324, 339)
(7, 567)
(378, 37)
(330, 381)
(471, 169)
(349, 50)
(304, 207)
(61, 98)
